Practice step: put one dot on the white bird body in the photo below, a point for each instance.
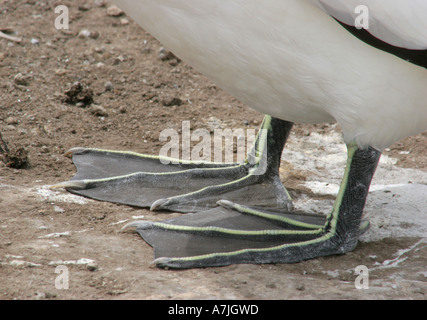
(290, 59)
(401, 23)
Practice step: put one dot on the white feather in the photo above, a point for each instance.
(290, 59)
(401, 23)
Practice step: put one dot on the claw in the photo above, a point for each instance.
(226, 204)
(163, 262)
(159, 204)
(72, 184)
(139, 225)
(73, 151)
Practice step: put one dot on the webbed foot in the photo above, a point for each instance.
(184, 186)
(234, 233)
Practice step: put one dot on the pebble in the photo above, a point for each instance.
(20, 79)
(11, 121)
(44, 149)
(60, 72)
(99, 50)
(78, 93)
(92, 266)
(98, 110)
(114, 11)
(146, 50)
(84, 33)
(88, 34)
(58, 209)
(108, 86)
(118, 60)
(84, 7)
(300, 287)
(124, 21)
(100, 3)
(170, 102)
(165, 54)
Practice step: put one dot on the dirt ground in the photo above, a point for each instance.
(132, 89)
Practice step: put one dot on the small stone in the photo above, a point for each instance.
(48, 295)
(98, 110)
(124, 21)
(88, 34)
(60, 72)
(78, 93)
(84, 7)
(100, 3)
(300, 287)
(118, 60)
(146, 50)
(166, 55)
(94, 35)
(99, 50)
(173, 62)
(58, 209)
(20, 79)
(114, 11)
(108, 86)
(122, 109)
(172, 102)
(92, 266)
(44, 149)
(84, 33)
(11, 121)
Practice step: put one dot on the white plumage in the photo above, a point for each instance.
(401, 23)
(292, 60)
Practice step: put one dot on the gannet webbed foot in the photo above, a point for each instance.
(233, 233)
(184, 186)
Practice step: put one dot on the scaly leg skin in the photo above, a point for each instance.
(184, 186)
(296, 240)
